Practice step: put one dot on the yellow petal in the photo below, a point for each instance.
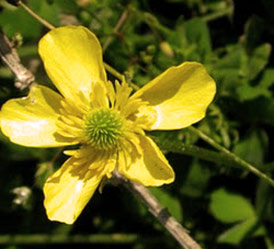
(98, 98)
(146, 165)
(69, 189)
(179, 97)
(31, 121)
(72, 56)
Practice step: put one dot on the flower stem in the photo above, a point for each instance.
(233, 156)
(211, 17)
(195, 151)
(37, 17)
(114, 72)
(119, 76)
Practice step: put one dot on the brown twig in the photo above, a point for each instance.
(10, 57)
(119, 24)
(155, 208)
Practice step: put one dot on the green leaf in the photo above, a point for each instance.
(231, 61)
(267, 79)
(67, 6)
(196, 180)
(249, 227)
(258, 60)
(256, 111)
(254, 29)
(18, 20)
(263, 201)
(171, 203)
(192, 40)
(50, 12)
(269, 242)
(253, 147)
(229, 208)
(197, 35)
(228, 69)
(248, 92)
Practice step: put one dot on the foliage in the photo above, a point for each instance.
(222, 205)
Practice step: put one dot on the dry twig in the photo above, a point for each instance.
(159, 212)
(116, 29)
(10, 57)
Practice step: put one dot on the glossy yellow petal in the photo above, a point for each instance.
(31, 121)
(98, 97)
(69, 189)
(146, 164)
(178, 97)
(72, 56)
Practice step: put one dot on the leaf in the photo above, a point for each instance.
(253, 147)
(258, 60)
(248, 92)
(237, 233)
(254, 29)
(196, 180)
(267, 79)
(171, 203)
(192, 40)
(231, 61)
(50, 12)
(197, 35)
(228, 208)
(256, 111)
(18, 20)
(269, 242)
(67, 6)
(228, 69)
(263, 201)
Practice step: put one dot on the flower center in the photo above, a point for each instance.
(103, 128)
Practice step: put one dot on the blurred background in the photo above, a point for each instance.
(221, 204)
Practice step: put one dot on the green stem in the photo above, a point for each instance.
(37, 17)
(233, 156)
(114, 72)
(150, 20)
(6, 239)
(196, 151)
(119, 76)
(219, 14)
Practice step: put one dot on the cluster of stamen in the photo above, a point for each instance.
(103, 128)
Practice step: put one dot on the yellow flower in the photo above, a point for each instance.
(105, 120)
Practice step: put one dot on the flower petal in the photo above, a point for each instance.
(31, 121)
(146, 165)
(179, 96)
(69, 189)
(72, 56)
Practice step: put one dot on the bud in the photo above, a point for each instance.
(151, 49)
(166, 48)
